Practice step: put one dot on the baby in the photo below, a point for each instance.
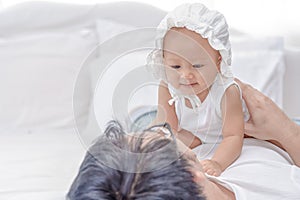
(197, 94)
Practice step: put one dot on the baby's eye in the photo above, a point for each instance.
(198, 65)
(175, 66)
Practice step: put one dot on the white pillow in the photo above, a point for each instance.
(42, 47)
(260, 62)
(38, 71)
(291, 93)
(39, 16)
(121, 54)
(107, 29)
(124, 86)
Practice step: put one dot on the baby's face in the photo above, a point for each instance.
(191, 63)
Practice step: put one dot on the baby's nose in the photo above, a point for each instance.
(187, 74)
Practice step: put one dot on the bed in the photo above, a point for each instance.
(54, 101)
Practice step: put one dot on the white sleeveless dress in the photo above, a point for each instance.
(206, 121)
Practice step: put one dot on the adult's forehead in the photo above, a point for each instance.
(145, 137)
(151, 136)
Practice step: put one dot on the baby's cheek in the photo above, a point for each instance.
(207, 74)
(201, 78)
(173, 78)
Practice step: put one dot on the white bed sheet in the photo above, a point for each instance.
(38, 165)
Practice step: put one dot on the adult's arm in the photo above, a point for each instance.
(268, 122)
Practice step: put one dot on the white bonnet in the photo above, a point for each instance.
(196, 17)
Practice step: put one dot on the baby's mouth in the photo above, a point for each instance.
(189, 84)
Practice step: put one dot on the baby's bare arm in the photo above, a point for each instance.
(233, 132)
(188, 138)
(166, 113)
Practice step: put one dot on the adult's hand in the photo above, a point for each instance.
(268, 122)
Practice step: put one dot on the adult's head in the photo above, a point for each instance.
(145, 165)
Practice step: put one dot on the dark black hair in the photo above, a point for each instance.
(109, 171)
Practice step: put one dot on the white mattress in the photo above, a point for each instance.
(39, 165)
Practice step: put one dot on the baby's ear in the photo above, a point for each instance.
(219, 59)
(219, 63)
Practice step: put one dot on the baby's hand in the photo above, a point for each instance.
(211, 167)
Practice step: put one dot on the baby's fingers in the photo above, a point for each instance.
(205, 164)
(212, 172)
(209, 168)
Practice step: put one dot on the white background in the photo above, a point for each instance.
(263, 17)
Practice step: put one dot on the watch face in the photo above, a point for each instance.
(143, 121)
